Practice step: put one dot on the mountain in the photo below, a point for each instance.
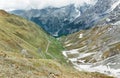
(94, 14)
(95, 49)
(54, 20)
(113, 17)
(71, 18)
(26, 51)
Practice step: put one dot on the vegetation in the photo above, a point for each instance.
(13, 65)
(26, 51)
(17, 34)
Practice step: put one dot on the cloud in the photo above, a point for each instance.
(13, 4)
(37, 4)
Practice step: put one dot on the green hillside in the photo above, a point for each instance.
(18, 34)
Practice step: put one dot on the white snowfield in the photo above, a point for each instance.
(94, 67)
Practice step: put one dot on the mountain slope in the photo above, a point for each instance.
(24, 52)
(95, 48)
(20, 35)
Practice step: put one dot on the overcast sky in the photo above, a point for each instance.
(37, 4)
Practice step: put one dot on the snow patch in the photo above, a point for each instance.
(82, 55)
(74, 51)
(81, 35)
(79, 13)
(108, 20)
(64, 53)
(68, 45)
(101, 68)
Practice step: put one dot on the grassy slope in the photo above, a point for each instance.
(13, 65)
(17, 34)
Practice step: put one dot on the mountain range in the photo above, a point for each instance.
(71, 18)
(53, 20)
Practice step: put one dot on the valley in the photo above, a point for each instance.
(75, 39)
(26, 51)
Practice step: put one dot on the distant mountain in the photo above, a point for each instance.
(54, 20)
(98, 12)
(113, 18)
(71, 18)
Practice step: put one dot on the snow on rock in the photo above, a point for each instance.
(74, 51)
(101, 68)
(113, 6)
(79, 13)
(117, 23)
(82, 55)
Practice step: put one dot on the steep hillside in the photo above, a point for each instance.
(21, 36)
(26, 51)
(95, 48)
